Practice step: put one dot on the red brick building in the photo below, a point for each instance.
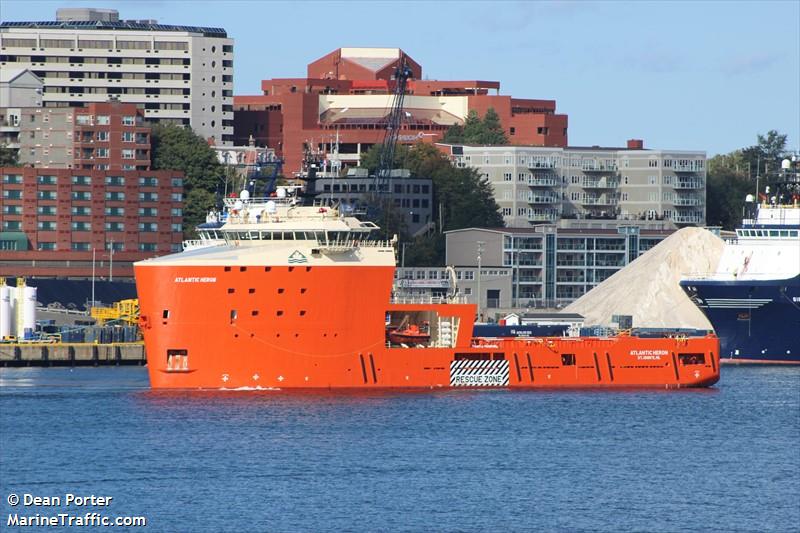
(348, 93)
(99, 136)
(51, 220)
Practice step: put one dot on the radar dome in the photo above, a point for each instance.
(749, 198)
(271, 208)
(786, 164)
(244, 195)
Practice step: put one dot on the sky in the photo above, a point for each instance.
(679, 74)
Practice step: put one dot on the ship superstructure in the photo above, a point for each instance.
(753, 298)
(276, 294)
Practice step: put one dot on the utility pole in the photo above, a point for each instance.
(480, 297)
(93, 263)
(111, 261)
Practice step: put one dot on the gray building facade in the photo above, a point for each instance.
(535, 185)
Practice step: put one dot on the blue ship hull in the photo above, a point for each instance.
(756, 321)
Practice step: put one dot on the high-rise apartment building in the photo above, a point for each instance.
(178, 74)
(534, 185)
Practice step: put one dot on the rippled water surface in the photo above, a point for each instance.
(724, 459)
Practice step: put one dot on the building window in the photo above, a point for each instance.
(128, 154)
(115, 196)
(148, 226)
(506, 211)
(127, 136)
(128, 120)
(148, 212)
(81, 210)
(178, 228)
(80, 246)
(12, 225)
(12, 178)
(81, 180)
(46, 180)
(115, 211)
(115, 226)
(46, 246)
(12, 194)
(81, 226)
(148, 182)
(101, 152)
(177, 197)
(102, 136)
(115, 180)
(103, 120)
(46, 195)
(147, 247)
(507, 176)
(148, 196)
(46, 225)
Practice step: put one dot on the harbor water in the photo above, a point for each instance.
(723, 459)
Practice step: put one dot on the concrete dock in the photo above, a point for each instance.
(78, 354)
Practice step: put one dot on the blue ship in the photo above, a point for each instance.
(753, 299)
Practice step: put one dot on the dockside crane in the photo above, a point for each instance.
(393, 126)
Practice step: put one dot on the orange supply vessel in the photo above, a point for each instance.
(279, 295)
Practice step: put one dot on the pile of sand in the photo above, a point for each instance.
(648, 288)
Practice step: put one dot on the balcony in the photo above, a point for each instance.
(690, 183)
(597, 166)
(544, 180)
(687, 168)
(529, 279)
(542, 164)
(542, 199)
(600, 183)
(543, 215)
(688, 201)
(689, 218)
(602, 200)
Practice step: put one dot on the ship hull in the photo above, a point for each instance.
(756, 321)
(298, 327)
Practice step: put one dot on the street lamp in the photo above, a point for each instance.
(480, 299)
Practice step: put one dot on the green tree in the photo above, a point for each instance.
(731, 177)
(454, 134)
(176, 148)
(8, 157)
(484, 132)
(198, 203)
(473, 127)
(727, 186)
(493, 134)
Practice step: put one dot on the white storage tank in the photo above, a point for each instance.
(6, 312)
(28, 326)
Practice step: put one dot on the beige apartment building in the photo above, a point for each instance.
(178, 74)
(535, 185)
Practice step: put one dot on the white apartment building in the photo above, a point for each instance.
(178, 74)
(534, 185)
